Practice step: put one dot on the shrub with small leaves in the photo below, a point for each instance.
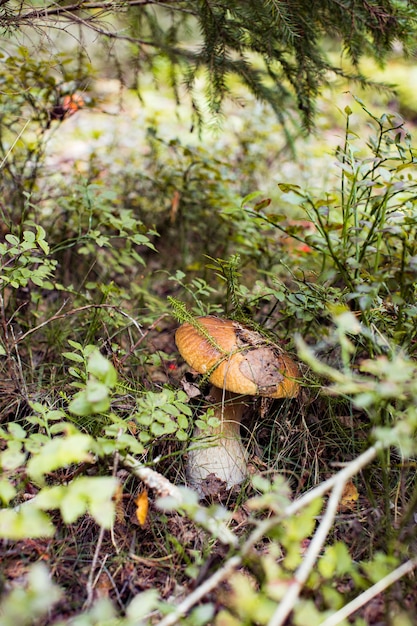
(163, 413)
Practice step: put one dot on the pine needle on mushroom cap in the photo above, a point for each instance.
(237, 358)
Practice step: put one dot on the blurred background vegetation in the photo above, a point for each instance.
(252, 160)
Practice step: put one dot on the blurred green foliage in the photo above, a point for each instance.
(86, 377)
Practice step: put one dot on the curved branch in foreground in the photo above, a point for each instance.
(334, 483)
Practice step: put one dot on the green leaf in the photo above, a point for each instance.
(40, 239)
(379, 567)
(32, 601)
(79, 405)
(54, 415)
(17, 431)
(185, 409)
(29, 236)
(103, 512)
(59, 452)
(182, 422)
(73, 356)
(93, 494)
(336, 560)
(181, 435)
(157, 429)
(307, 613)
(97, 492)
(250, 197)
(96, 392)
(13, 456)
(161, 417)
(171, 409)
(102, 369)
(128, 442)
(75, 372)
(12, 239)
(332, 598)
(286, 188)
(73, 506)
(142, 604)
(75, 345)
(50, 498)
(7, 491)
(27, 522)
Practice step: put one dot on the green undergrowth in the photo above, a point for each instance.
(96, 405)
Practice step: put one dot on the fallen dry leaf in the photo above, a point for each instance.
(142, 505)
(349, 497)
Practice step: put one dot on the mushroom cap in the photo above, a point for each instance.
(237, 358)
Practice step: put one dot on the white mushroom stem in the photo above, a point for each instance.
(219, 450)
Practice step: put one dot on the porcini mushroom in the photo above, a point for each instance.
(238, 362)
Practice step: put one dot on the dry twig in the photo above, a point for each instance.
(195, 511)
(336, 484)
(370, 593)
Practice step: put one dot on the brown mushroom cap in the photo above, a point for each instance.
(237, 359)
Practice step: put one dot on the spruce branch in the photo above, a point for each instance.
(273, 47)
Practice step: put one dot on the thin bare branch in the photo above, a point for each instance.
(370, 593)
(300, 577)
(196, 512)
(336, 483)
(61, 316)
(351, 469)
(200, 592)
(69, 10)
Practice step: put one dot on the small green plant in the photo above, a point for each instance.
(33, 86)
(361, 238)
(55, 444)
(163, 413)
(99, 379)
(194, 201)
(26, 259)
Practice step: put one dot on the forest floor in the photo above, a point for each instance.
(148, 548)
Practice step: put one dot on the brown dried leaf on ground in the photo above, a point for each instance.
(349, 497)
